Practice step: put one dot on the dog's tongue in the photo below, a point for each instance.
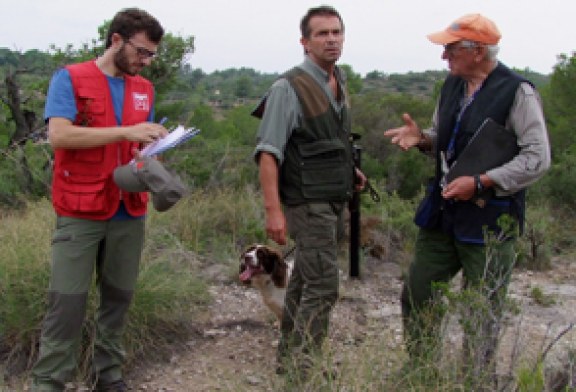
(246, 275)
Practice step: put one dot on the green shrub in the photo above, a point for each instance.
(530, 380)
(544, 234)
(24, 174)
(542, 299)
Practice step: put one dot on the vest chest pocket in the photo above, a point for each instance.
(90, 108)
(323, 169)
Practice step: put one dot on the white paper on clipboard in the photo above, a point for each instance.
(178, 136)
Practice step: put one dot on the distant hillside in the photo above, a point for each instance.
(424, 83)
(413, 83)
(234, 86)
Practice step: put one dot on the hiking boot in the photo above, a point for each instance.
(115, 386)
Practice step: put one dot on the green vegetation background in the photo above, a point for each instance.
(223, 214)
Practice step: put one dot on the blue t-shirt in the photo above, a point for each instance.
(60, 102)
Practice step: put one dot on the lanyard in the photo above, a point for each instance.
(451, 150)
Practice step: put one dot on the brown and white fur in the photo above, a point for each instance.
(265, 269)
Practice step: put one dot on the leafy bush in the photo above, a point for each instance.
(24, 173)
(541, 232)
(559, 185)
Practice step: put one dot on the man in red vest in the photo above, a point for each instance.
(99, 114)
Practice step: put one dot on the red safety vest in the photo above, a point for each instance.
(82, 184)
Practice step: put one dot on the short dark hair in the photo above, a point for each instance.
(131, 21)
(323, 10)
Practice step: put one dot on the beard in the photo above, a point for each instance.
(122, 63)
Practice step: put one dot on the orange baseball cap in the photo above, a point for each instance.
(473, 27)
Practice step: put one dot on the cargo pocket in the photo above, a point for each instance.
(83, 193)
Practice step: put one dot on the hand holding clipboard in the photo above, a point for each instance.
(491, 146)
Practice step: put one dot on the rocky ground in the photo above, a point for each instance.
(234, 345)
(234, 349)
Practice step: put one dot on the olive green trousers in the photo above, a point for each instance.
(486, 271)
(81, 247)
(313, 287)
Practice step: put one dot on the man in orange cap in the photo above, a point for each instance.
(460, 219)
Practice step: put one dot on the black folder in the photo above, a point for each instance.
(491, 146)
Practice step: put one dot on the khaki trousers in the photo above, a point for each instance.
(313, 287)
(80, 247)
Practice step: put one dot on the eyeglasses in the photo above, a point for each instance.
(455, 46)
(141, 51)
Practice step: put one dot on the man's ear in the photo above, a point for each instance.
(116, 40)
(304, 43)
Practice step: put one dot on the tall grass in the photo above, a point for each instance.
(208, 229)
(24, 272)
(202, 228)
(215, 223)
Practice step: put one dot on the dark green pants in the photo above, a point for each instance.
(313, 287)
(80, 247)
(438, 258)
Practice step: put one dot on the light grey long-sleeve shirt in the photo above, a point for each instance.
(283, 112)
(526, 118)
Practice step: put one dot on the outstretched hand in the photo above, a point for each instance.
(406, 136)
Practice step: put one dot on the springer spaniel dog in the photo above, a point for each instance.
(264, 268)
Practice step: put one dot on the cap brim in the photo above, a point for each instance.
(167, 197)
(443, 38)
(127, 180)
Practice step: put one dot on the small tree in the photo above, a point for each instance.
(353, 80)
(23, 85)
(559, 97)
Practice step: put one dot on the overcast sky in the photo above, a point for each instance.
(384, 35)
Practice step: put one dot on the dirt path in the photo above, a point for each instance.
(235, 348)
(235, 345)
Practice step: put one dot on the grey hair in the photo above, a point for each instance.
(492, 50)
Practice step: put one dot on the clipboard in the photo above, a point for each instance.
(174, 138)
(491, 146)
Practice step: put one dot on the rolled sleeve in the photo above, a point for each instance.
(281, 116)
(527, 119)
(432, 133)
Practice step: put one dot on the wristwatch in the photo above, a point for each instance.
(422, 143)
(478, 184)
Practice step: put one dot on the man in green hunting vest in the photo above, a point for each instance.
(304, 153)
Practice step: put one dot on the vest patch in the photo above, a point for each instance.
(141, 101)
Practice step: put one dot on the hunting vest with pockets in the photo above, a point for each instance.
(318, 164)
